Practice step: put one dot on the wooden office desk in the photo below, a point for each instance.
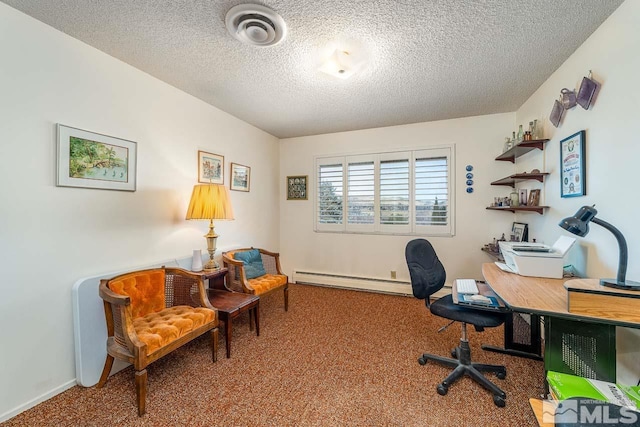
(546, 297)
(575, 343)
(536, 295)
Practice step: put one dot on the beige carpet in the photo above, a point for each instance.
(337, 358)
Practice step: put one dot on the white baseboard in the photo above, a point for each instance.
(36, 401)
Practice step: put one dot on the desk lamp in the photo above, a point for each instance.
(578, 224)
(210, 201)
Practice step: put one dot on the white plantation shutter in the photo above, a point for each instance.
(360, 193)
(329, 195)
(403, 192)
(395, 192)
(432, 192)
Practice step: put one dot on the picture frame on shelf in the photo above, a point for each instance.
(210, 168)
(534, 198)
(523, 196)
(297, 187)
(91, 160)
(520, 232)
(240, 177)
(573, 165)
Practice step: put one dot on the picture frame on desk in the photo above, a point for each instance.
(520, 232)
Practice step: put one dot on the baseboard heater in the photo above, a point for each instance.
(398, 287)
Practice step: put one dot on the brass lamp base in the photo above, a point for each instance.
(211, 237)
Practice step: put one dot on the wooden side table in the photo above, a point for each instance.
(230, 304)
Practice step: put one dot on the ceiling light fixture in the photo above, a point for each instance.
(340, 64)
(255, 25)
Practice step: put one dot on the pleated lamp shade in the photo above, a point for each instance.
(209, 201)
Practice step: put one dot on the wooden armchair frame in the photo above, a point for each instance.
(182, 288)
(237, 278)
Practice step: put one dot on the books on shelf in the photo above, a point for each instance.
(566, 386)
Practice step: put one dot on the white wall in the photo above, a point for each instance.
(612, 154)
(51, 236)
(478, 141)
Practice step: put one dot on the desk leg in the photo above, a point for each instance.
(521, 338)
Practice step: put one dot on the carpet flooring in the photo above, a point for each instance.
(336, 358)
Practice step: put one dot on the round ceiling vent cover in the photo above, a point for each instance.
(255, 25)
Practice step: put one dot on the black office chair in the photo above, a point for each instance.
(427, 277)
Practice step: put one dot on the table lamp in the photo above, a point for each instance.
(210, 201)
(578, 224)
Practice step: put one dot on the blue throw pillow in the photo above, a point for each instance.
(252, 261)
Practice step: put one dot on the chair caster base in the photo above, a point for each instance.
(499, 401)
(422, 360)
(442, 390)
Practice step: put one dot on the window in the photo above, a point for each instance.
(405, 192)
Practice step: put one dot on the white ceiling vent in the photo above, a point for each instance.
(256, 25)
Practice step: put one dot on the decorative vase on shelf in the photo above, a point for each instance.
(520, 134)
(515, 198)
(196, 262)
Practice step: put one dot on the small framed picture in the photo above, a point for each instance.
(523, 197)
(572, 166)
(92, 160)
(534, 198)
(520, 232)
(297, 187)
(210, 168)
(240, 177)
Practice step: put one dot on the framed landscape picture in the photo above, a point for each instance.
(210, 168)
(297, 187)
(92, 160)
(240, 177)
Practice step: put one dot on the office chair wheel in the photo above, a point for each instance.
(454, 353)
(501, 375)
(422, 360)
(442, 390)
(499, 401)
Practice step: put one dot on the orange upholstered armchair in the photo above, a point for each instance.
(255, 271)
(150, 313)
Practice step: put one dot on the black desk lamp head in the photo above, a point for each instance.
(578, 224)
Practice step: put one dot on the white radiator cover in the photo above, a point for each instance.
(397, 287)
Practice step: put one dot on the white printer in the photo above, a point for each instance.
(535, 259)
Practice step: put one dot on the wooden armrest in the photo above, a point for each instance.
(111, 297)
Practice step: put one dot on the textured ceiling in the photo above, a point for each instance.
(424, 59)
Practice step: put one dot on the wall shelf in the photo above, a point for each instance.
(522, 148)
(538, 209)
(495, 255)
(511, 180)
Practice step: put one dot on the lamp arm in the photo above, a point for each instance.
(622, 243)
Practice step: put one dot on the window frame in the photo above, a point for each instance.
(412, 155)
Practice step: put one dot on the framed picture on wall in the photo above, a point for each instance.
(573, 165)
(240, 177)
(297, 187)
(92, 160)
(210, 168)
